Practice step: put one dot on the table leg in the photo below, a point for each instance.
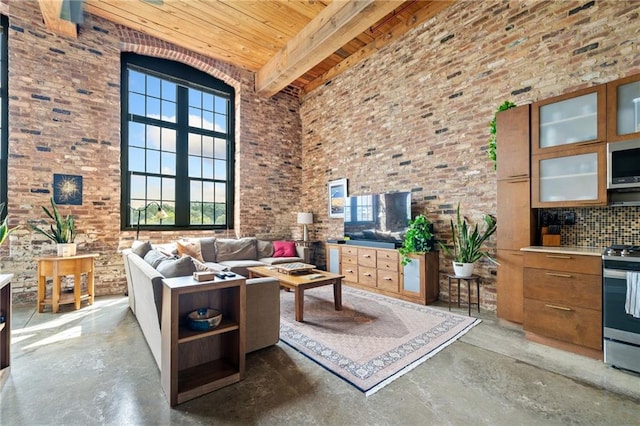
(299, 301)
(449, 292)
(337, 294)
(90, 283)
(77, 283)
(478, 292)
(42, 292)
(458, 292)
(55, 293)
(469, 295)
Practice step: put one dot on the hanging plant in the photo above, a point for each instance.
(491, 152)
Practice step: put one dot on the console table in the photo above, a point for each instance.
(57, 267)
(5, 327)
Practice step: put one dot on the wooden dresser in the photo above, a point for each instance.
(563, 299)
(380, 270)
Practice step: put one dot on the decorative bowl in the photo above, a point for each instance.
(204, 319)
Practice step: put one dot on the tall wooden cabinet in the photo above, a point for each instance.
(515, 217)
(623, 109)
(379, 270)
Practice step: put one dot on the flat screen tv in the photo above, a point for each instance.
(381, 218)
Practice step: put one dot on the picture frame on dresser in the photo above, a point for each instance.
(337, 191)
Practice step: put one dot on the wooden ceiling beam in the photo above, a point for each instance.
(339, 23)
(379, 42)
(50, 10)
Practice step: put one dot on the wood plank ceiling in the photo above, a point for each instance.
(304, 43)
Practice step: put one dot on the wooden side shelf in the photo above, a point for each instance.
(197, 362)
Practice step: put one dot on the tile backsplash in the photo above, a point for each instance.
(599, 226)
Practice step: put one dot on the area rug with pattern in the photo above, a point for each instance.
(373, 340)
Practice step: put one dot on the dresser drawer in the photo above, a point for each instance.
(388, 280)
(387, 260)
(350, 272)
(563, 262)
(575, 325)
(349, 250)
(367, 257)
(367, 276)
(564, 288)
(350, 258)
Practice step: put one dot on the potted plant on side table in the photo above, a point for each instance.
(468, 242)
(62, 231)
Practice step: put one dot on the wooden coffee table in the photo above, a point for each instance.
(302, 282)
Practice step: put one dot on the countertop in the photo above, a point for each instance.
(585, 251)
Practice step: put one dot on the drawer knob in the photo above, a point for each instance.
(366, 256)
(554, 274)
(387, 279)
(350, 271)
(367, 274)
(560, 308)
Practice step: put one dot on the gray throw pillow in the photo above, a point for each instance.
(177, 267)
(208, 249)
(240, 249)
(155, 257)
(265, 249)
(141, 248)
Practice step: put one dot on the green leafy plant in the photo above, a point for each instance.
(468, 241)
(418, 238)
(491, 152)
(4, 227)
(63, 229)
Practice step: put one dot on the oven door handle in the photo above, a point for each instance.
(614, 273)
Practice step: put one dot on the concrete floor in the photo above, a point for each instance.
(93, 366)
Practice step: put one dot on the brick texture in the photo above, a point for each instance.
(64, 117)
(415, 115)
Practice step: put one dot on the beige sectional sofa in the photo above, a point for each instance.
(146, 266)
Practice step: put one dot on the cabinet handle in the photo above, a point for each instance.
(387, 279)
(350, 271)
(553, 274)
(558, 256)
(519, 176)
(590, 202)
(588, 143)
(518, 181)
(366, 256)
(560, 308)
(516, 254)
(367, 274)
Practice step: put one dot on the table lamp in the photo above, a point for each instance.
(305, 219)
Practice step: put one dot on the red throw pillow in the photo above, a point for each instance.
(284, 249)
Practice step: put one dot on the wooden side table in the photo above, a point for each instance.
(469, 280)
(57, 267)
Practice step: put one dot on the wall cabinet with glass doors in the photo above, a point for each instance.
(623, 109)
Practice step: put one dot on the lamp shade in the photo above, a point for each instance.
(305, 218)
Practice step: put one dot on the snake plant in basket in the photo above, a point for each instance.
(468, 242)
(62, 231)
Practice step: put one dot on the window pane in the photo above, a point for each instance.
(168, 189)
(168, 164)
(136, 82)
(170, 209)
(136, 160)
(136, 134)
(195, 118)
(169, 140)
(195, 99)
(196, 190)
(221, 195)
(207, 146)
(220, 214)
(221, 123)
(195, 168)
(207, 120)
(153, 162)
(168, 91)
(207, 168)
(153, 188)
(220, 170)
(221, 149)
(207, 213)
(153, 108)
(153, 137)
(221, 105)
(195, 144)
(208, 192)
(138, 187)
(136, 104)
(169, 111)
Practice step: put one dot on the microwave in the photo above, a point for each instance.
(623, 164)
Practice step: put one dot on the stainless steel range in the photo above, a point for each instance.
(621, 330)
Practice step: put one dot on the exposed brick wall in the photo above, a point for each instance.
(415, 115)
(64, 117)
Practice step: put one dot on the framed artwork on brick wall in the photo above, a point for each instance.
(337, 195)
(67, 189)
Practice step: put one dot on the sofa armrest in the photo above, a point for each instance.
(304, 253)
(262, 313)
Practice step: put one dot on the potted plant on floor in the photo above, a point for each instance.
(418, 239)
(468, 242)
(62, 231)
(4, 227)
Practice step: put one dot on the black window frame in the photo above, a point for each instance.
(4, 117)
(185, 77)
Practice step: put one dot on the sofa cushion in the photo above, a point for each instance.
(154, 257)
(264, 248)
(284, 249)
(240, 266)
(208, 249)
(190, 247)
(177, 267)
(279, 260)
(141, 248)
(240, 249)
